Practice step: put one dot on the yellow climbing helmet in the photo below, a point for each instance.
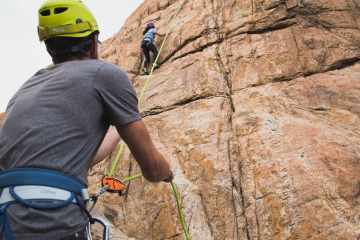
(65, 18)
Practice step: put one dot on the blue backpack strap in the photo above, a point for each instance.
(41, 177)
(43, 205)
(4, 223)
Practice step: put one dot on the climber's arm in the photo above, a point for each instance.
(160, 35)
(107, 146)
(153, 165)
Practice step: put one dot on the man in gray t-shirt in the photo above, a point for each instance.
(60, 120)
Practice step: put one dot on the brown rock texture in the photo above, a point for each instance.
(2, 118)
(256, 105)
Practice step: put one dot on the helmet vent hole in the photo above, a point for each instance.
(60, 10)
(45, 12)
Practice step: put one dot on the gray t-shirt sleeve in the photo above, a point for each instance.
(117, 95)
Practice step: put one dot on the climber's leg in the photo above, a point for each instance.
(146, 52)
(154, 51)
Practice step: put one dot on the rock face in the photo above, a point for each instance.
(256, 105)
(2, 118)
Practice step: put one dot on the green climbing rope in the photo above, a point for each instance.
(131, 178)
(115, 163)
(120, 153)
(178, 200)
(180, 211)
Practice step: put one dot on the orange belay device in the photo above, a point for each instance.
(113, 185)
(108, 184)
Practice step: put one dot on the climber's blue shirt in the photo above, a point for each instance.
(150, 35)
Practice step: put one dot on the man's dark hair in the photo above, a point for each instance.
(64, 48)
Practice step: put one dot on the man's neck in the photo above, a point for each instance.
(62, 60)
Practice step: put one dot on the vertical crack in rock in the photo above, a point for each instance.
(207, 215)
(253, 7)
(298, 56)
(258, 233)
(234, 187)
(242, 196)
(226, 73)
(216, 12)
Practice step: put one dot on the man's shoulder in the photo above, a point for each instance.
(94, 66)
(107, 66)
(108, 69)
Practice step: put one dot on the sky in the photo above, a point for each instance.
(21, 52)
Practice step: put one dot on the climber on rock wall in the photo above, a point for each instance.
(64, 119)
(148, 45)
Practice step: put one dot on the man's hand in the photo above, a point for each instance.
(153, 165)
(169, 179)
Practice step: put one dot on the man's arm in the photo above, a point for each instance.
(153, 165)
(121, 109)
(108, 145)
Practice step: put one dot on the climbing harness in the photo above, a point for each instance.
(120, 152)
(41, 189)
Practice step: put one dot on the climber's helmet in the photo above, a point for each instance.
(65, 18)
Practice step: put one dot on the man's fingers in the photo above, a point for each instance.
(170, 178)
